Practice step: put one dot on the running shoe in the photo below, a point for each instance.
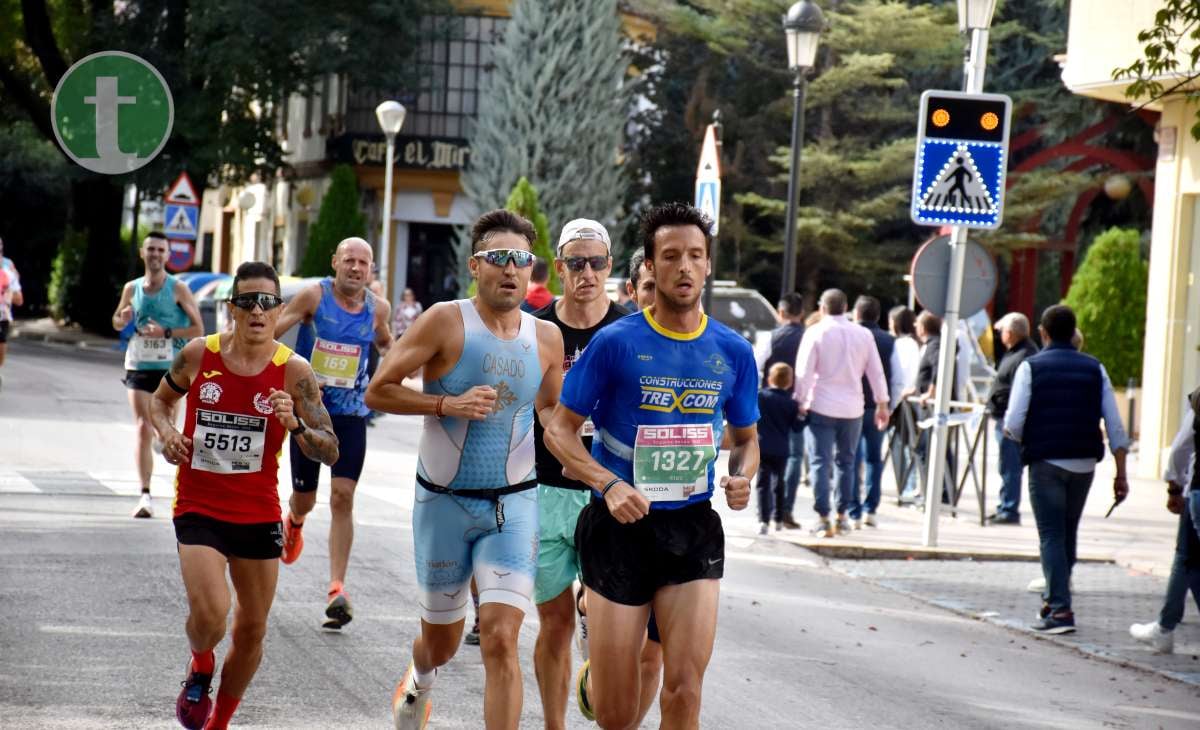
(339, 612)
(293, 540)
(764, 528)
(581, 634)
(411, 707)
(1161, 640)
(472, 636)
(194, 705)
(843, 526)
(585, 705)
(824, 528)
(1055, 623)
(870, 520)
(790, 523)
(145, 508)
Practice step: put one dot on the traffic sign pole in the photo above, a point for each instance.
(975, 69)
(708, 196)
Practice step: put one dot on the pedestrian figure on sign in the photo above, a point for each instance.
(961, 177)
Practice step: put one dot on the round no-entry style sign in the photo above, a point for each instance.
(931, 276)
(112, 112)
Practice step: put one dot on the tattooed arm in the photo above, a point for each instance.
(177, 448)
(302, 400)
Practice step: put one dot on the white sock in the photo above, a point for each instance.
(424, 679)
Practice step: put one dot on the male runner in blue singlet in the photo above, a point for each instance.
(341, 318)
(659, 387)
(166, 317)
(487, 367)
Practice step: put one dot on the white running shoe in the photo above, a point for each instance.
(145, 508)
(1038, 585)
(411, 707)
(581, 627)
(1162, 641)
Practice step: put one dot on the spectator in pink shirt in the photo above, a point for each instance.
(834, 356)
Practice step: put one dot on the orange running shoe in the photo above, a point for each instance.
(293, 540)
(411, 706)
(338, 612)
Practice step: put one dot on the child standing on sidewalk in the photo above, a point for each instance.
(778, 416)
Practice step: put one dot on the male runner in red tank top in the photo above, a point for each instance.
(244, 391)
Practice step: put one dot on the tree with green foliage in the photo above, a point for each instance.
(230, 65)
(1108, 295)
(524, 201)
(554, 111)
(1172, 52)
(339, 218)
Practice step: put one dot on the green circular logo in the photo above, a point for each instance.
(112, 112)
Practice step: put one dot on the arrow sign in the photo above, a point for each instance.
(182, 221)
(708, 179)
(182, 192)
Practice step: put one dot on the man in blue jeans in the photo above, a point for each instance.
(870, 445)
(1185, 502)
(1059, 397)
(1014, 333)
(785, 344)
(834, 356)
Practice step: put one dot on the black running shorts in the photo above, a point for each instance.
(146, 380)
(4, 325)
(351, 432)
(628, 563)
(257, 541)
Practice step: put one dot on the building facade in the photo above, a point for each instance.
(336, 124)
(1103, 36)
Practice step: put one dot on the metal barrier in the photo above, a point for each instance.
(908, 447)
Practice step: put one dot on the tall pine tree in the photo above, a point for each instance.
(554, 112)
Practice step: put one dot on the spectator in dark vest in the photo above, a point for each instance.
(1183, 499)
(779, 414)
(1014, 333)
(785, 344)
(869, 457)
(1058, 399)
(929, 326)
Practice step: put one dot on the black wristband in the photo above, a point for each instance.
(1174, 492)
(299, 429)
(167, 332)
(173, 385)
(610, 485)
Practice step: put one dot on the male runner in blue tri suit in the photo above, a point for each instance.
(487, 366)
(659, 387)
(341, 318)
(165, 316)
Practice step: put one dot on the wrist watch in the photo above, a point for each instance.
(298, 429)
(167, 332)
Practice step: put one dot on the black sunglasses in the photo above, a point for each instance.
(264, 300)
(576, 263)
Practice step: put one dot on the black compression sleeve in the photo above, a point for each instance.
(174, 386)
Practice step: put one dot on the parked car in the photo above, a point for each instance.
(743, 310)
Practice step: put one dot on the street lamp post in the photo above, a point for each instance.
(974, 16)
(391, 118)
(802, 27)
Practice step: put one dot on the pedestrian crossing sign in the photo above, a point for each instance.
(962, 159)
(182, 221)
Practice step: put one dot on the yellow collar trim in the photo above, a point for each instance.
(682, 336)
(282, 354)
(213, 343)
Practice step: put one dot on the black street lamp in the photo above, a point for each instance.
(802, 25)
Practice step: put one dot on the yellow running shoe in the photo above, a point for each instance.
(585, 705)
(411, 707)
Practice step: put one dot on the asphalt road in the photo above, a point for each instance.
(91, 631)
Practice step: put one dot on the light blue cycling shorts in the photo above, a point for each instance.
(456, 537)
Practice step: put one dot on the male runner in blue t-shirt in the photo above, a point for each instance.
(659, 388)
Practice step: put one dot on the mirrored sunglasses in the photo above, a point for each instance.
(576, 263)
(502, 256)
(265, 300)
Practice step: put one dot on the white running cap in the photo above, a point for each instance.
(583, 229)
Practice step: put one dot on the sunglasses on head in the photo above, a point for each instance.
(576, 263)
(264, 300)
(502, 256)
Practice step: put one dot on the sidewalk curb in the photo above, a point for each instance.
(1017, 628)
(56, 338)
(832, 549)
